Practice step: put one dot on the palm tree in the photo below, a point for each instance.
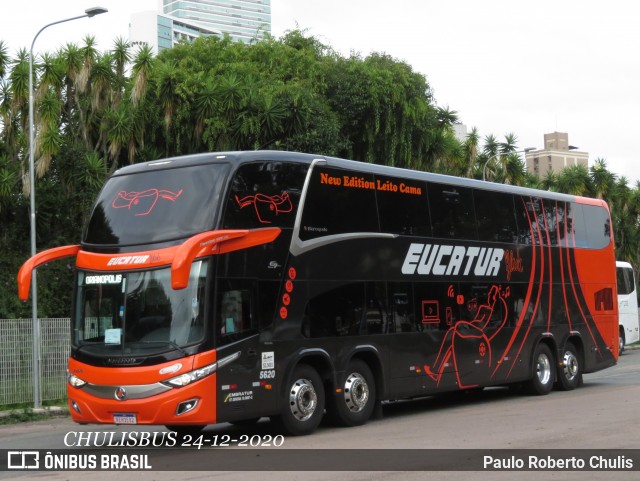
(602, 180)
(168, 79)
(142, 65)
(102, 80)
(19, 78)
(71, 60)
(446, 117)
(118, 127)
(471, 150)
(206, 106)
(48, 144)
(89, 54)
(272, 116)
(121, 58)
(514, 170)
(4, 59)
(549, 181)
(6, 115)
(491, 145)
(574, 180)
(50, 75)
(8, 181)
(510, 143)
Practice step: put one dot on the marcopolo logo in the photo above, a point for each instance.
(448, 260)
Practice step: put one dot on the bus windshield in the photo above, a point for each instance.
(138, 313)
(156, 205)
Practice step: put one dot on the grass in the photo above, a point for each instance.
(22, 413)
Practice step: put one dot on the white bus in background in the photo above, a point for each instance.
(627, 305)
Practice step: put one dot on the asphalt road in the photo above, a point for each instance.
(601, 415)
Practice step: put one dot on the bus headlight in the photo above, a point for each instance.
(75, 381)
(189, 377)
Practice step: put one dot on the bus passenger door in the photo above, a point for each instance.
(245, 383)
(404, 342)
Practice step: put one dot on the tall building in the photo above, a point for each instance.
(186, 20)
(243, 20)
(163, 31)
(556, 155)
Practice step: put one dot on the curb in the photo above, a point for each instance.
(49, 410)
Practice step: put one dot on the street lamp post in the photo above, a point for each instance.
(37, 395)
(495, 156)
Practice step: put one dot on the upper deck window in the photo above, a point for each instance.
(264, 194)
(452, 213)
(339, 201)
(156, 205)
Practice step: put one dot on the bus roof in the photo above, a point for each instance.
(241, 157)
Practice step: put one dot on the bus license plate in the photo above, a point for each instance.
(124, 418)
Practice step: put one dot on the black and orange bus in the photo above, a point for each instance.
(226, 287)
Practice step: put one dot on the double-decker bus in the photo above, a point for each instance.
(629, 328)
(226, 287)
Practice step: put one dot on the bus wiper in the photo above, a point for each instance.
(170, 343)
(83, 345)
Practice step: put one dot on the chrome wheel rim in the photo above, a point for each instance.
(356, 392)
(570, 366)
(543, 369)
(303, 399)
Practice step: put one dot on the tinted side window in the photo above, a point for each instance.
(579, 226)
(537, 210)
(339, 201)
(535, 217)
(524, 212)
(452, 213)
(403, 206)
(625, 280)
(234, 311)
(564, 214)
(338, 312)
(264, 194)
(496, 216)
(597, 226)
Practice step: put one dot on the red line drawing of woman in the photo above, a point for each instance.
(466, 330)
(131, 200)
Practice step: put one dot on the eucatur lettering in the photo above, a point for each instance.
(448, 260)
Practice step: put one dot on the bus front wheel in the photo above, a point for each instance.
(621, 340)
(354, 404)
(304, 402)
(543, 371)
(570, 369)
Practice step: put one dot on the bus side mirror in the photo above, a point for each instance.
(24, 274)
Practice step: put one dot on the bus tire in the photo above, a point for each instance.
(621, 340)
(570, 369)
(354, 405)
(304, 402)
(542, 372)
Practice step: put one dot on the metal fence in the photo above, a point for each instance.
(16, 367)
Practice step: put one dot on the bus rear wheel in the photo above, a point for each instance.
(304, 404)
(354, 405)
(621, 340)
(570, 369)
(543, 372)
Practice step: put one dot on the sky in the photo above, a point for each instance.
(505, 66)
